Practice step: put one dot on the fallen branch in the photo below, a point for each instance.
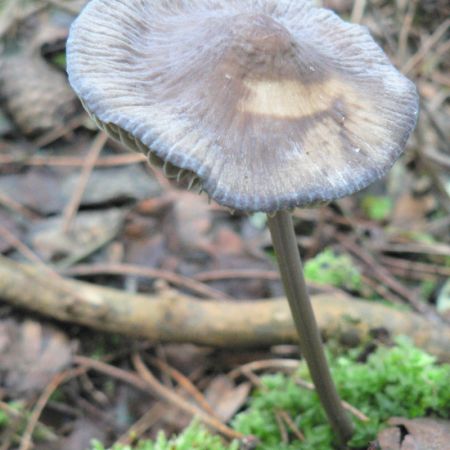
(172, 317)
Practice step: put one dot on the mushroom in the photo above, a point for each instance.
(266, 105)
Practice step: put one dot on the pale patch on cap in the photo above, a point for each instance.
(292, 99)
(279, 99)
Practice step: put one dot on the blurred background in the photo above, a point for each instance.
(76, 204)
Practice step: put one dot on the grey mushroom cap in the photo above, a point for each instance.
(272, 104)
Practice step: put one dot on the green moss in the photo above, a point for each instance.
(59, 60)
(335, 270)
(14, 406)
(427, 287)
(4, 419)
(17, 410)
(402, 381)
(194, 437)
(377, 207)
(398, 381)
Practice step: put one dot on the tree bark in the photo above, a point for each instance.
(173, 317)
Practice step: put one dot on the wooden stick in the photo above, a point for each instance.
(172, 317)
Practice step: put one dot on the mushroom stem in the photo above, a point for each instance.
(290, 265)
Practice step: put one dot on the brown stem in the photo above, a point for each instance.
(290, 265)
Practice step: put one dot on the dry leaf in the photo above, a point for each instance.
(226, 398)
(415, 434)
(30, 355)
(90, 230)
(189, 223)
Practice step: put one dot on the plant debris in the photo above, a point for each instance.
(75, 204)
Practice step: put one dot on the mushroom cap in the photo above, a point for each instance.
(272, 104)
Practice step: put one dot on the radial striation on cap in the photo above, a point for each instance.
(271, 104)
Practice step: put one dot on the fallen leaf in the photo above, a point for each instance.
(410, 209)
(415, 434)
(188, 224)
(37, 189)
(226, 398)
(90, 230)
(30, 355)
(107, 185)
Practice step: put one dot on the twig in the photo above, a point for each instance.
(84, 252)
(436, 157)
(289, 365)
(406, 29)
(169, 316)
(359, 7)
(67, 161)
(442, 78)
(350, 408)
(112, 371)
(19, 416)
(413, 266)
(431, 168)
(33, 257)
(436, 125)
(148, 383)
(72, 207)
(439, 183)
(437, 249)
(254, 379)
(227, 274)
(214, 275)
(180, 402)
(382, 290)
(292, 426)
(286, 365)
(129, 269)
(11, 433)
(281, 427)
(12, 240)
(436, 227)
(58, 379)
(383, 275)
(11, 204)
(139, 427)
(186, 384)
(59, 132)
(426, 47)
(281, 416)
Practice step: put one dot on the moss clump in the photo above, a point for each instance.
(377, 207)
(194, 437)
(336, 270)
(398, 381)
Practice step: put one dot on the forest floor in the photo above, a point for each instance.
(130, 306)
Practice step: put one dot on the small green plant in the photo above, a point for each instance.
(59, 60)
(4, 419)
(193, 437)
(16, 410)
(377, 207)
(336, 270)
(10, 410)
(398, 381)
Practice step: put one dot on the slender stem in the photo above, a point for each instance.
(290, 265)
